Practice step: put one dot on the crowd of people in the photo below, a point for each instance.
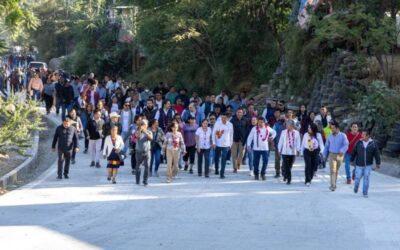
(124, 123)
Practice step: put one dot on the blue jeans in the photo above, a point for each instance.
(250, 155)
(36, 95)
(347, 159)
(221, 152)
(125, 138)
(211, 156)
(156, 158)
(65, 110)
(256, 162)
(362, 172)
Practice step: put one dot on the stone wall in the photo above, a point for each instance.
(337, 89)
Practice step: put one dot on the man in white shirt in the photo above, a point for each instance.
(288, 147)
(259, 137)
(323, 117)
(224, 97)
(222, 138)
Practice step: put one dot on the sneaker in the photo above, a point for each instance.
(85, 151)
(73, 161)
(365, 195)
(348, 182)
(207, 176)
(256, 177)
(108, 178)
(288, 183)
(277, 176)
(180, 167)
(98, 165)
(191, 171)
(284, 179)
(228, 162)
(308, 184)
(332, 188)
(263, 177)
(145, 184)
(59, 177)
(133, 172)
(66, 176)
(216, 172)
(169, 181)
(355, 190)
(251, 173)
(235, 170)
(114, 182)
(222, 177)
(186, 167)
(92, 164)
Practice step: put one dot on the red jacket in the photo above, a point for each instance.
(89, 97)
(353, 139)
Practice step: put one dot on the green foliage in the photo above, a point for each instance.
(379, 107)
(355, 29)
(18, 120)
(212, 44)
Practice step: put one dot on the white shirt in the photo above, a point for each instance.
(284, 142)
(111, 86)
(261, 140)
(319, 118)
(225, 134)
(365, 143)
(125, 124)
(108, 146)
(204, 138)
(315, 143)
(159, 104)
(225, 98)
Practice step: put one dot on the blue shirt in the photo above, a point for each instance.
(336, 144)
(102, 92)
(235, 105)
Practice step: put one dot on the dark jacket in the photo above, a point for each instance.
(94, 133)
(67, 138)
(150, 114)
(365, 156)
(239, 129)
(67, 94)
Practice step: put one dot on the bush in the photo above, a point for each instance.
(379, 107)
(18, 119)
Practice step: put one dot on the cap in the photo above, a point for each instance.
(114, 114)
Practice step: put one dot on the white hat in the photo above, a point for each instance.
(114, 114)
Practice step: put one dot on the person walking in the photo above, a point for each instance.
(259, 137)
(35, 86)
(113, 146)
(289, 147)
(222, 139)
(203, 145)
(165, 115)
(95, 132)
(240, 125)
(335, 148)
(353, 136)
(173, 146)
(311, 146)
(250, 153)
(143, 139)
(86, 116)
(362, 157)
(189, 136)
(156, 146)
(279, 126)
(48, 93)
(67, 141)
(75, 122)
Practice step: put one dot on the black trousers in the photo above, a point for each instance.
(63, 157)
(288, 161)
(190, 154)
(48, 100)
(133, 157)
(310, 159)
(204, 153)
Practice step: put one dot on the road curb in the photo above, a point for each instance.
(12, 178)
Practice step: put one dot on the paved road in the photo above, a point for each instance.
(86, 212)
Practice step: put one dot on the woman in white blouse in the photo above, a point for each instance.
(203, 145)
(310, 147)
(112, 149)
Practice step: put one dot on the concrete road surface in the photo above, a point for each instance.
(87, 212)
